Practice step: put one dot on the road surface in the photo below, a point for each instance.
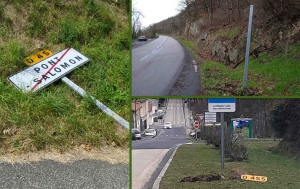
(151, 154)
(163, 67)
(84, 174)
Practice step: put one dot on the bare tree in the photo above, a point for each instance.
(136, 22)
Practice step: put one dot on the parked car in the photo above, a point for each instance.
(142, 38)
(136, 133)
(150, 132)
(168, 125)
(133, 135)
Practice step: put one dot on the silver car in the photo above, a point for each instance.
(137, 134)
(142, 38)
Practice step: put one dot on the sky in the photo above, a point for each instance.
(156, 10)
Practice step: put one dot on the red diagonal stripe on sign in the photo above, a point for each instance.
(40, 80)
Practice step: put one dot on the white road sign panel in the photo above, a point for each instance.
(221, 105)
(48, 70)
(210, 117)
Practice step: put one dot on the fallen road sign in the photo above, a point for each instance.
(48, 70)
(254, 178)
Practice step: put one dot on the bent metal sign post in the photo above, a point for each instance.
(48, 70)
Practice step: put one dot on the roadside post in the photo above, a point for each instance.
(196, 126)
(221, 105)
(46, 68)
(248, 47)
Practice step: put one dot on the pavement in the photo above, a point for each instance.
(145, 165)
(168, 155)
(83, 174)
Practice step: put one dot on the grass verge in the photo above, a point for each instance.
(56, 118)
(273, 74)
(191, 160)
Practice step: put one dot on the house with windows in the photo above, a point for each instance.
(141, 114)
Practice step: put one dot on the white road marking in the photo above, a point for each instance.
(144, 57)
(196, 68)
(155, 50)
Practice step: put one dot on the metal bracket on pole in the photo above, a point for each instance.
(248, 47)
(105, 109)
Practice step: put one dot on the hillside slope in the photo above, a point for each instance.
(217, 30)
(56, 118)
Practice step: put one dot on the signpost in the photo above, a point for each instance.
(196, 126)
(248, 47)
(221, 105)
(51, 68)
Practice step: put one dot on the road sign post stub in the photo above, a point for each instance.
(40, 75)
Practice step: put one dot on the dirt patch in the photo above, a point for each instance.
(236, 173)
(202, 178)
(234, 90)
(109, 154)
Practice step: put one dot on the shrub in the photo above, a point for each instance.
(234, 149)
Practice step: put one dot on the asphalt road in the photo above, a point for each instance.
(150, 155)
(166, 139)
(160, 67)
(84, 174)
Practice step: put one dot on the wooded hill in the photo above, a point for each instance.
(221, 26)
(216, 32)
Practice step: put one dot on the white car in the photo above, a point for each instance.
(168, 125)
(150, 132)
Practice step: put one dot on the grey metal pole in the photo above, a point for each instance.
(105, 109)
(135, 114)
(248, 47)
(222, 140)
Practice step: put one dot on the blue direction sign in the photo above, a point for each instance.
(221, 104)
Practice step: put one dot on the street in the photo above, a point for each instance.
(163, 67)
(150, 155)
(81, 174)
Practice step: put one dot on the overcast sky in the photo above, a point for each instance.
(156, 10)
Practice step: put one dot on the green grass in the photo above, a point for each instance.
(190, 45)
(228, 33)
(191, 160)
(273, 74)
(56, 117)
(268, 75)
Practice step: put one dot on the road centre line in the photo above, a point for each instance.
(144, 57)
(155, 50)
